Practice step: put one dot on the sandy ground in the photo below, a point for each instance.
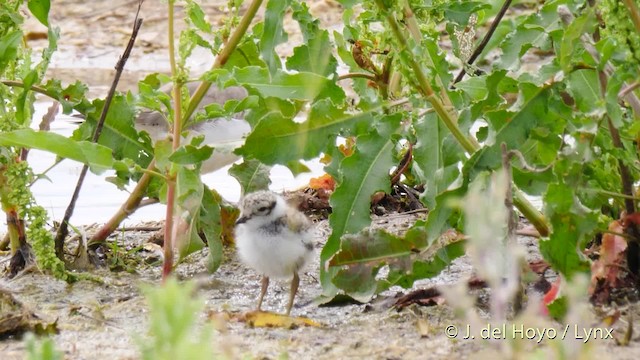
(100, 320)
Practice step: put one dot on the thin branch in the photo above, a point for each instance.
(356, 75)
(223, 56)
(611, 194)
(478, 50)
(63, 230)
(628, 89)
(126, 209)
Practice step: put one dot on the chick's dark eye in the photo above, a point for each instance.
(263, 209)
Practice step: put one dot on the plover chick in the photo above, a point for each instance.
(224, 135)
(274, 239)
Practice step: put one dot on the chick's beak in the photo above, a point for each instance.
(242, 220)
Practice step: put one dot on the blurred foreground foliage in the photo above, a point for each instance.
(547, 84)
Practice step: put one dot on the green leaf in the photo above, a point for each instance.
(297, 168)
(252, 175)
(534, 113)
(303, 86)
(559, 308)
(436, 157)
(98, 157)
(536, 30)
(197, 17)
(573, 224)
(409, 258)
(9, 44)
(190, 154)
(584, 87)
(118, 132)
(460, 11)
(361, 174)
(40, 9)
(210, 224)
(189, 193)
(273, 33)
(316, 53)
(278, 140)
(314, 57)
(571, 46)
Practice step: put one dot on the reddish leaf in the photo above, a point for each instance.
(550, 296)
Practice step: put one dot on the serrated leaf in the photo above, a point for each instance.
(314, 57)
(98, 157)
(373, 246)
(460, 11)
(252, 175)
(436, 156)
(304, 86)
(535, 30)
(118, 132)
(362, 174)
(190, 154)
(409, 258)
(572, 225)
(514, 134)
(273, 33)
(571, 46)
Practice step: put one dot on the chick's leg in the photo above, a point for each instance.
(294, 289)
(265, 285)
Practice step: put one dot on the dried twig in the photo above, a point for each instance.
(63, 230)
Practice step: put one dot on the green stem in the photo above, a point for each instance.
(633, 12)
(356, 75)
(223, 56)
(612, 194)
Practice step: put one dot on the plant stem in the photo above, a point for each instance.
(167, 265)
(129, 206)
(356, 75)
(63, 230)
(223, 56)
(634, 13)
(414, 31)
(612, 194)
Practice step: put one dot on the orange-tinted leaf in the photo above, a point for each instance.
(325, 182)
